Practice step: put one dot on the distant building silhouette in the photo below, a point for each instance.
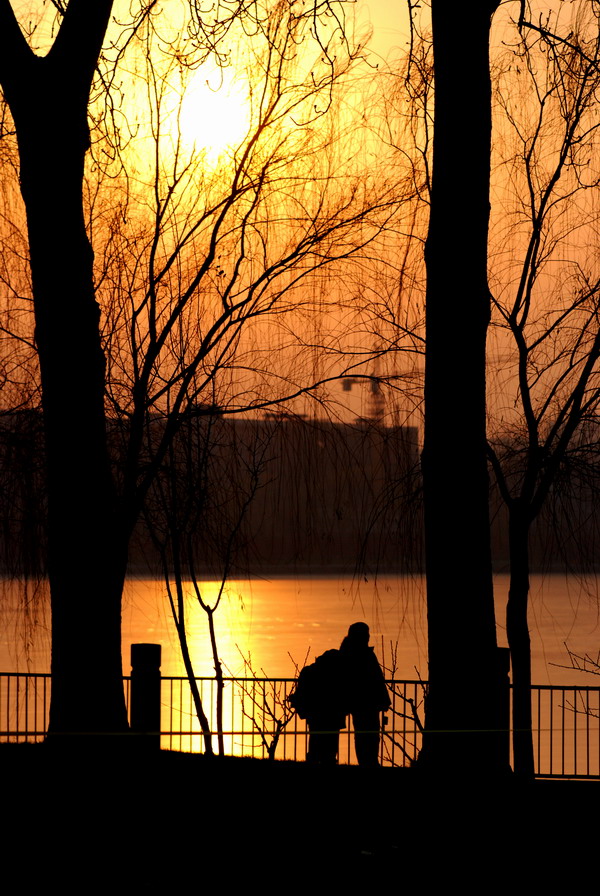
(320, 495)
(327, 495)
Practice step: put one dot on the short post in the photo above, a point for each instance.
(145, 693)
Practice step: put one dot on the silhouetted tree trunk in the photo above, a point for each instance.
(463, 706)
(48, 98)
(550, 104)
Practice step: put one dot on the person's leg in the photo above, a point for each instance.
(323, 743)
(366, 737)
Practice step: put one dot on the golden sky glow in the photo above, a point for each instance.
(214, 113)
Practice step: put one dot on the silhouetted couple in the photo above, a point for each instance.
(348, 681)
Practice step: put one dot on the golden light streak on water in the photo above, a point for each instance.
(271, 618)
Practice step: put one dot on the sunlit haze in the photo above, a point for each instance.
(214, 115)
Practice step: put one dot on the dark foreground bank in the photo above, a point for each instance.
(168, 820)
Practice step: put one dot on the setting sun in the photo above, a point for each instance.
(214, 113)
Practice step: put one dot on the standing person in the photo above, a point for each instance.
(367, 694)
(318, 698)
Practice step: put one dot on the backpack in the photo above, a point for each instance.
(319, 687)
(303, 697)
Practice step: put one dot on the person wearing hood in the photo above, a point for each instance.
(366, 692)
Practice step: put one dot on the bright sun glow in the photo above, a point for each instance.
(214, 115)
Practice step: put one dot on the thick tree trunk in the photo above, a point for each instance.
(87, 544)
(517, 631)
(87, 551)
(462, 714)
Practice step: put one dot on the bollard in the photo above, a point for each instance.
(145, 693)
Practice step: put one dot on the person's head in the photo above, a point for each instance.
(358, 634)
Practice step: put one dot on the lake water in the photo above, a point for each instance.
(273, 620)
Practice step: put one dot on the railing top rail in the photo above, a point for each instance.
(565, 687)
(265, 679)
(256, 678)
(224, 678)
(240, 679)
(25, 675)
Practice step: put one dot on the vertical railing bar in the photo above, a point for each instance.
(31, 709)
(186, 717)
(270, 722)
(296, 738)
(551, 732)
(562, 728)
(409, 731)
(256, 744)
(565, 739)
(171, 717)
(598, 726)
(200, 738)
(567, 768)
(168, 734)
(575, 725)
(539, 738)
(186, 714)
(406, 725)
(185, 723)
(587, 732)
(193, 721)
(295, 722)
(230, 723)
(22, 716)
(18, 717)
(265, 717)
(286, 693)
(243, 720)
(177, 732)
(27, 709)
(213, 721)
(282, 692)
(409, 727)
(235, 711)
(544, 707)
(412, 731)
(35, 709)
(45, 704)
(538, 745)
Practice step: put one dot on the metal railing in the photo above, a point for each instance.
(257, 721)
(566, 726)
(24, 706)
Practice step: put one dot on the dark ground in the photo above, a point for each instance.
(167, 821)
